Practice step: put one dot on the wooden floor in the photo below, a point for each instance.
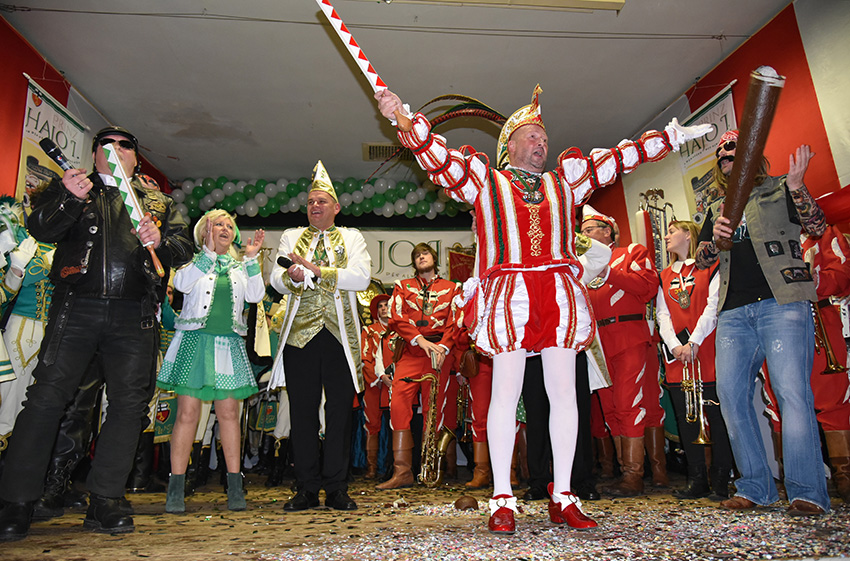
(420, 523)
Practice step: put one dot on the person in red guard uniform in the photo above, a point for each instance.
(377, 376)
(424, 315)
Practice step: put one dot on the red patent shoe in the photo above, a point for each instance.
(502, 508)
(571, 514)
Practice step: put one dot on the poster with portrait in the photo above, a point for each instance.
(697, 155)
(46, 118)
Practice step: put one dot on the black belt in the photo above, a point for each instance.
(615, 319)
(823, 303)
(433, 338)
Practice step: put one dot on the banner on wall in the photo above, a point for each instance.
(46, 118)
(697, 155)
(389, 249)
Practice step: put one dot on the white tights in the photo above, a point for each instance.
(559, 377)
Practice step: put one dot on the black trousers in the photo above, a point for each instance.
(112, 328)
(537, 425)
(721, 450)
(320, 366)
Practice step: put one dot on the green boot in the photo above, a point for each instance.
(174, 500)
(235, 494)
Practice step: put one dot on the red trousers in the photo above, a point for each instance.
(623, 403)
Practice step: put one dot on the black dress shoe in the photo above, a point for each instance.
(535, 493)
(302, 501)
(340, 500)
(106, 515)
(586, 491)
(48, 506)
(125, 506)
(75, 499)
(15, 521)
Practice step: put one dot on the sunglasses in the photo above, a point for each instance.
(729, 145)
(125, 144)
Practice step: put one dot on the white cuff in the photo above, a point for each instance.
(502, 502)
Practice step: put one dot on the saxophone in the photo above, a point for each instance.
(433, 447)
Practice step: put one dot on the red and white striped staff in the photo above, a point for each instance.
(360, 58)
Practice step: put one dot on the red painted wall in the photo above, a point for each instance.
(19, 56)
(798, 118)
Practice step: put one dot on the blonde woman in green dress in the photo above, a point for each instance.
(207, 361)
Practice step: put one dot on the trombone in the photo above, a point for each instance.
(694, 402)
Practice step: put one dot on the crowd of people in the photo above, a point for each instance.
(563, 341)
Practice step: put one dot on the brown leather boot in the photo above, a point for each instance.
(451, 461)
(481, 473)
(838, 446)
(372, 441)
(605, 455)
(402, 461)
(631, 483)
(654, 442)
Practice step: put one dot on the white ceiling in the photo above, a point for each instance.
(262, 88)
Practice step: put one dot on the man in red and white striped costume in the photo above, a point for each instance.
(526, 296)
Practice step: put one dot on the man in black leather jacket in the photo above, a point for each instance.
(104, 302)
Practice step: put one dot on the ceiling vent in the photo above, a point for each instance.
(382, 151)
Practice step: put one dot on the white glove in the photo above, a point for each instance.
(681, 134)
(7, 241)
(21, 255)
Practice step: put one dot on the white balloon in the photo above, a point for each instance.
(251, 208)
(438, 205)
(282, 183)
(217, 195)
(411, 198)
(271, 190)
(178, 195)
(209, 201)
(345, 200)
(187, 184)
(182, 209)
(388, 209)
(368, 190)
(241, 186)
(357, 196)
(390, 183)
(229, 188)
(261, 199)
(240, 210)
(431, 214)
(421, 192)
(400, 206)
(302, 198)
(378, 210)
(293, 204)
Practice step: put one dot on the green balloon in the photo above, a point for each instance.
(264, 212)
(367, 205)
(391, 195)
(378, 199)
(293, 189)
(410, 212)
(357, 209)
(239, 198)
(346, 210)
(431, 196)
(199, 192)
(194, 212)
(350, 184)
(273, 206)
(191, 202)
(282, 198)
(422, 207)
(261, 185)
(451, 211)
(208, 184)
(219, 183)
(303, 184)
(338, 186)
(228, 204)
(249, 191)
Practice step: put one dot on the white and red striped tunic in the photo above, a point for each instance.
(526, 293)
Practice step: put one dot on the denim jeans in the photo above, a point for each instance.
(784, 336)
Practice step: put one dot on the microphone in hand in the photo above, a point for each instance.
(284, 262)
(54, 153)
